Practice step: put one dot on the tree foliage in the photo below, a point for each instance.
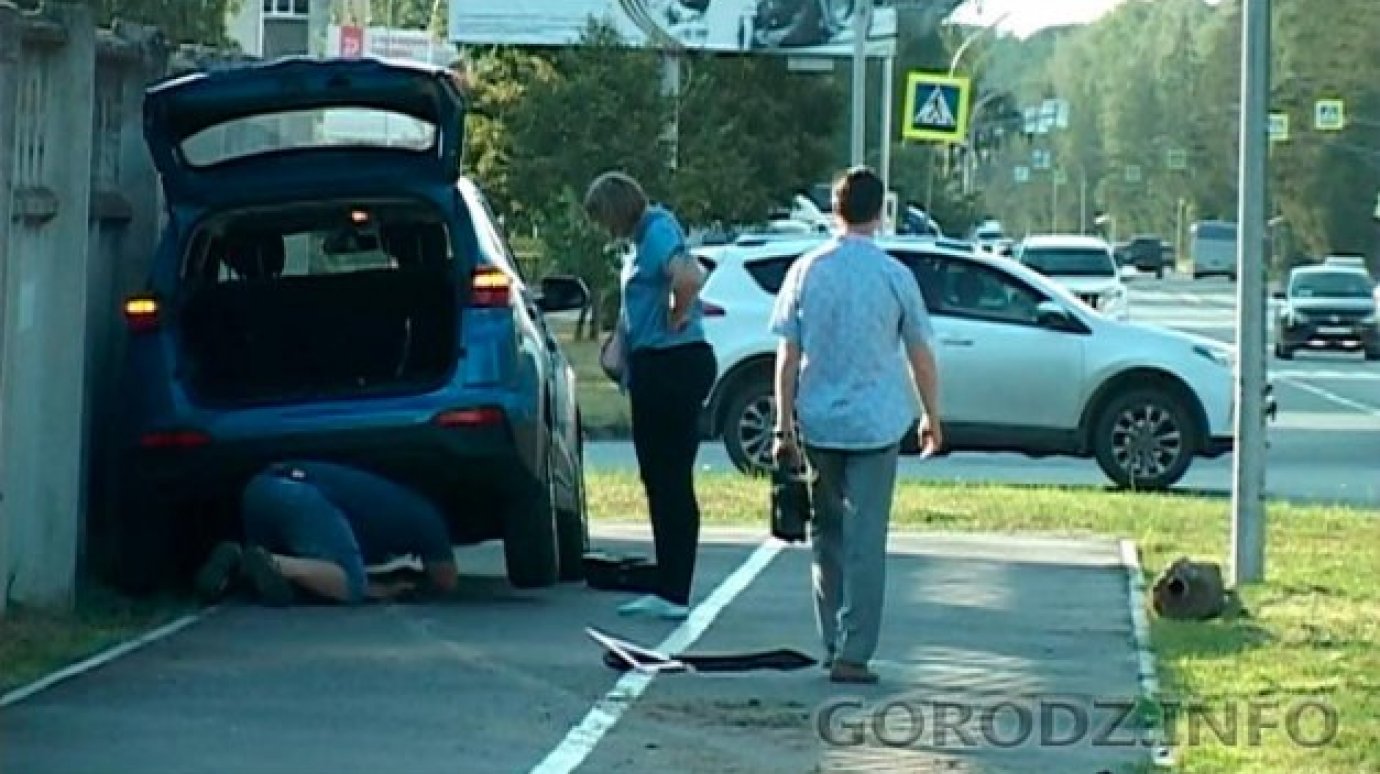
(1155, 82)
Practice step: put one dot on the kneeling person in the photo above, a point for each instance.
(316, 526)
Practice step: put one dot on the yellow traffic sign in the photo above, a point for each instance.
(936, 108)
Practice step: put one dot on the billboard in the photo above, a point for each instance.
(794, 27)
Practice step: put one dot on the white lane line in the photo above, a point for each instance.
(605, 714)
(103, 658)
(1363, 408)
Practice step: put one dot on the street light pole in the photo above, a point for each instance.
(862, 24)
(1248, 468)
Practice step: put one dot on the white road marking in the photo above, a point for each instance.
(605, 714)
(102, 658)
(1373, 411)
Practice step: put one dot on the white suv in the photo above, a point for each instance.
(1026, 365)
(1085, 265)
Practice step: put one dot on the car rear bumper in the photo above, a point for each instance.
(1341, 336)
(455, 466)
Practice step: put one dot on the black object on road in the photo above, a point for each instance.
(624, 655)
(630, 573)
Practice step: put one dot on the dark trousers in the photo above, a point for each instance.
(667, 391)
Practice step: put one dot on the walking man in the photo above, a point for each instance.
(315, 526)
(845, 314)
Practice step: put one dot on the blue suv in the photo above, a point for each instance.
(329, 285)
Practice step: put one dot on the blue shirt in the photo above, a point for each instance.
(852, 310)
(646, 286)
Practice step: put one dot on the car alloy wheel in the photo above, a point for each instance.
(1147, 441)
(754, 431)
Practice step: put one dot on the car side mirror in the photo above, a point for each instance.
(563, 294)
(1053, 316)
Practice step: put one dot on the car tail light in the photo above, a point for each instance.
(489, 288)
(470, 417)
(141, 313)
(174, 439)
(712, 310)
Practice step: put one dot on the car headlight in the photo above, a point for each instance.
(1219, 355)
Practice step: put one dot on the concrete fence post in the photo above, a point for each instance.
(10, 41)
(43, 429)
(124, 229)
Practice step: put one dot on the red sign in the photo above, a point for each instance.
(351, 42)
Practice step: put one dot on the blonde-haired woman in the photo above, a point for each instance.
(669, 369)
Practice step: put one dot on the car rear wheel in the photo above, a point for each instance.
(749, 417)
(1145, 439)
(1284, 353)
(1373, 354)
(530, 535)
(572, 524)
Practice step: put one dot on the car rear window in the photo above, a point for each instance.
(770, 273)
(304, 130)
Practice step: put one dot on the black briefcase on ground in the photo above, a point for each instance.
(791, 506)
(608, 572)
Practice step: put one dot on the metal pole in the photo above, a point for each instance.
(1082, 201)
(1054, 201)
(1248, 467)
(862, 23)
(888, 98)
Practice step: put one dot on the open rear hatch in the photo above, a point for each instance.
(279, 129)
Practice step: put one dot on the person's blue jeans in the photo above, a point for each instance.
(293, 518)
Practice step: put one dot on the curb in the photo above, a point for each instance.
(1161, 754)
(104, 657)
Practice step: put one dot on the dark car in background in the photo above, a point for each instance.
(1327, 308)
(1147, 253)
(339, 297)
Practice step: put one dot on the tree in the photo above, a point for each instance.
(593, 107)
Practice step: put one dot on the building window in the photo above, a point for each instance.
(286, 7)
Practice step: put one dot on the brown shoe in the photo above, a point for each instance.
(847, 672)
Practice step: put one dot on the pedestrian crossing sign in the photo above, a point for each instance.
(936, 108)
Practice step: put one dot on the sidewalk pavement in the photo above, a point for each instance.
(978, 629)
(988, 632)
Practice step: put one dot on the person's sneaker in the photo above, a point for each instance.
(270, 585)
(214, 579)
(654, 606)
(856, 674)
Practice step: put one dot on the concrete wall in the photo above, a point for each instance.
(78, 219)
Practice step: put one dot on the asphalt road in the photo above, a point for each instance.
(1324, 445)
(503, 681)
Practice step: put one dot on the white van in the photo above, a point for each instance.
(1212, 248)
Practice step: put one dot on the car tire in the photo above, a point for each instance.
(572, 525)
(748, 419)
(530, 540)
(1120, 439)
(1373, 354)
(1283, 353)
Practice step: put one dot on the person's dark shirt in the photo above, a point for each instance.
(388, 519)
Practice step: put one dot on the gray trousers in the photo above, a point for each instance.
(852, 495)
